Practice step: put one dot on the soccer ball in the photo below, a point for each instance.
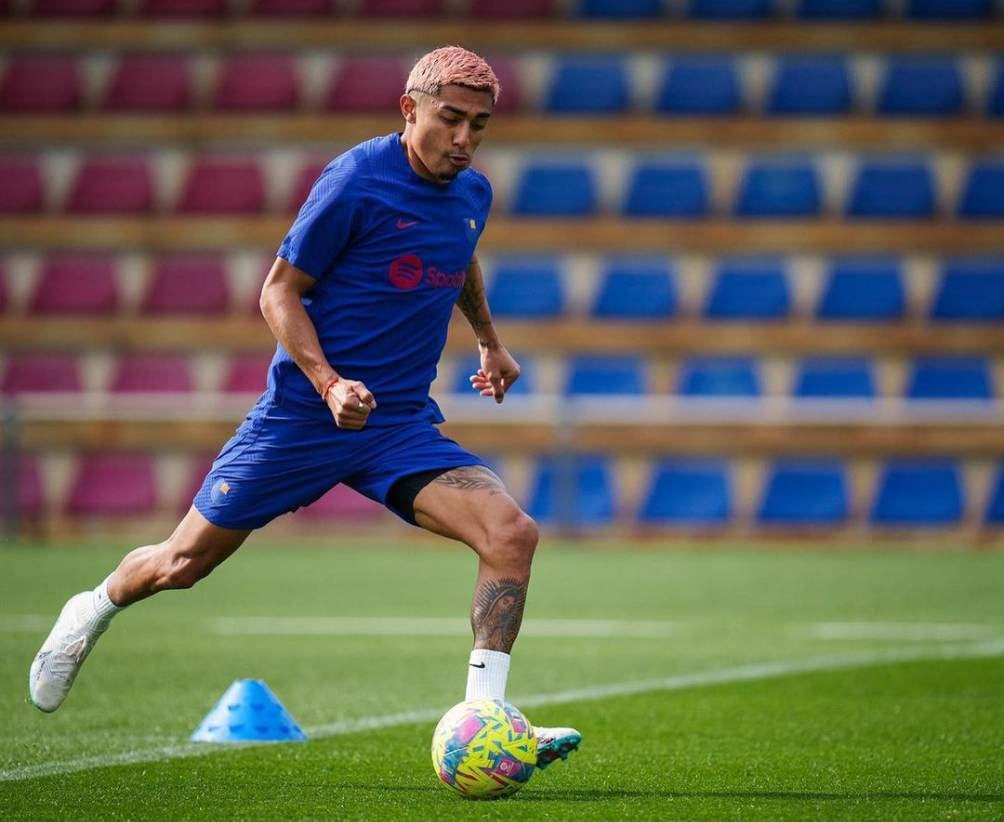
(484, 748)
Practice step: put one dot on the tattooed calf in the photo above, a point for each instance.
(497, 613)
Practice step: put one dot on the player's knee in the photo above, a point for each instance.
(513, 541)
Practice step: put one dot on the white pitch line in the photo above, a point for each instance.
(901, 631)
(720, 676)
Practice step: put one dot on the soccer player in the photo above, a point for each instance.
(359, 299)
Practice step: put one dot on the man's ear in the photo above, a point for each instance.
(408, 106)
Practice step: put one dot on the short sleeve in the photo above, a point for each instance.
(324, 225)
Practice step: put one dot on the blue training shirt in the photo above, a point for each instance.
(389, 250)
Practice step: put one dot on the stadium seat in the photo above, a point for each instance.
(862, 288)
(470, 364)
(151, 373)
(367, 84)
(341, 504)
(620, 9)
(30, 499)
(553, 190)
(688, 492)
(950, 378)
(223, 186)
(291, 8)
(970, 290)
(809, 85)
(183, 8)
(995, 103)
(604, 375)
(190, 284)
(35, 372)
(676, 188)
(305, 180)
(839, 9)
(113, 485)
(112, 185)
(892, 189)
(701, 85)
(401, 8)
(21, 192)
(73, 8)
(748, 289)
(257, 82)
(635, 288)
(35, 84)
(719, 377)
(805, 493)
(588, 85)
(730, 9)
(526, 287)
(149, 82)
(77, 284)
(511, 10)
(921, 87)
(246, 373)
(573, 491)
(983, 192)
(918, 493)
(948, 9)
(3, 289)
(776, 188)
(995, 505)
(507, 72)
(819, 377)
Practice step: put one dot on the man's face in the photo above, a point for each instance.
(444, 132)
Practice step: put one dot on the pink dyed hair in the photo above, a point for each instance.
(452, 65)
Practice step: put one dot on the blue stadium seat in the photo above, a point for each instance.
(971, 290)
(805, 493)
(688, 492)
(921, 86)
(573, 490)
(834, 377)
(995, 105)
(863, 288)
(749, 289)
(552, 190)
(839, 9)
(779, 188)
(588, 85)
(983, 193)
(667, 188)
(950, 378)
(915, 492)
(809, 84)
(948, 9)
(730, 9)
(995, 507)
(719, 377)
(620, 9)
(636, 288)
(470, 364)
(526, 287)
(605, 375)
(892, 189)
(699, 85)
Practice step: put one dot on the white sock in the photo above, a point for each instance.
(487, 674)
(104, 608)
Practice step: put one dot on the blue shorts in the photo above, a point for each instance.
(279, 461)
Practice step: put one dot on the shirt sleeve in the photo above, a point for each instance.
(325, 224)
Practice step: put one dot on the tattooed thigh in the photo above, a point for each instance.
(471, 478)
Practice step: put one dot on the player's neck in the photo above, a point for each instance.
(415, 162)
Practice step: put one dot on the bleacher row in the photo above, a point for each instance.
(666, 186)
(586, 490)
(680, 84)
(518, 9)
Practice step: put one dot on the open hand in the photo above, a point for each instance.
(497, 373)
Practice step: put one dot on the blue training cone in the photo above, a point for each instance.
(248, 712)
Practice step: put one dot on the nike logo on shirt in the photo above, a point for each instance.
(406, 223)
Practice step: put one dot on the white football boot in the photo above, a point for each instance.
(555, 743)
(63, 652)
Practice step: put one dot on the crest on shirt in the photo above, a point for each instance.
(471, 226)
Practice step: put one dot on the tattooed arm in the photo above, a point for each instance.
(498, 369)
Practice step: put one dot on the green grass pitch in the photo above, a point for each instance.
(712, 684)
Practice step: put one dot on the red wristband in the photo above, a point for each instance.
(327, 388)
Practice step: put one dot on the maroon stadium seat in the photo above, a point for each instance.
(77, 285)
(257, 82)
(112, 185)
(113, 485)
(40, 83)
(21, 192)
(28, 373)
(152, 373)
(223, 186)
(30, 494)
(188, 284)
(511, 98)
(401, 8)
(199, 468)
(149, 82)
(291, 8)
(73, 8)
(511, 9)
(247, 374)
(304, 182)
(342, 503)
(3, 288)
(183, 8)
(367, 84)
